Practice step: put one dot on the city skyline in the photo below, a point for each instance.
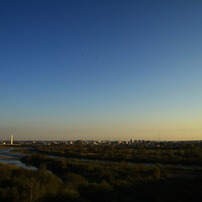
(114, 70)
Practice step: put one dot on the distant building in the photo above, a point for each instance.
(11, 139)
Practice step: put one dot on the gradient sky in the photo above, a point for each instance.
(101, 69)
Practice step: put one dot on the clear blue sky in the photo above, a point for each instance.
(101, 69)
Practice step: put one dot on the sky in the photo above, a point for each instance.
(101, 69)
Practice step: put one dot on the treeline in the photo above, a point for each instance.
(186, 154)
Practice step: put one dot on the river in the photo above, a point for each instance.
(11, 158)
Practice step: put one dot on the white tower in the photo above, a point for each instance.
(11, 139)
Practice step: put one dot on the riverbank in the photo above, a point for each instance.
(9, 165)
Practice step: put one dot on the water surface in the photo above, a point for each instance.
(8, 157)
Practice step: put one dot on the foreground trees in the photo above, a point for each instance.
(18, 184)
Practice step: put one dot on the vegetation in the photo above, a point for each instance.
(80, 180)
(18, 184)
(185, 154)
(121, 181)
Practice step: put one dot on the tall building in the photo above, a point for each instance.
(11, 139)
